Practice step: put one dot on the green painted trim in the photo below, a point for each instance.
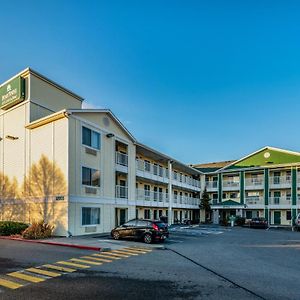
(220, 192)
(267, 214)
(294, 215)
(242, 187)
(266, 156)
(266, 190)
(294, 186)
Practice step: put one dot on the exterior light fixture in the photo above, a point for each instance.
(1, 139)
(10, 137)
(110, 135)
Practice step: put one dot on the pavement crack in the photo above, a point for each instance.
(218, 274)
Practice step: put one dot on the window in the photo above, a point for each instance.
(147, 191)
(147, 166)
(248, 214)
(147, 214)
(288, 215)
(130, 223)
(90, 177)
(90, 216)
(90, 138)
(155, 194)
(155, 169)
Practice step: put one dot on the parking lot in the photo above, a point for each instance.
(206, 262)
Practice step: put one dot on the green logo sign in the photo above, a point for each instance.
(12, 93)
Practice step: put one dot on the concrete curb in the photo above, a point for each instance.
(83, 247)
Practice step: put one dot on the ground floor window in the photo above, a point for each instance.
(90, 216)
(288, 215)
(147, 214)
(248, 214)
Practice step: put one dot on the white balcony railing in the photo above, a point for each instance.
(147, 195)
(184, 180)
(121, 159)
(254, 182)
(152, 169)
(231, 184)
(121, 192)
(160, 197)
(280, 200)
(178, 199)
(252, 200)
(211, 184)
(280, 180)
(159, 173)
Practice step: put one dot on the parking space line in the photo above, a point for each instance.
(84, 261)
(26, 277)
(114, 254)
(139, 249)
(97, 259)
(106, 256)
(43, 272)
(134, 251)
(10, 284)
(62, 269)
(123, 252)
(68, 263)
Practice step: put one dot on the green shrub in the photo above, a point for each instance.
(11, 228)
(38, 230)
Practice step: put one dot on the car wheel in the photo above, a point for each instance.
(116, 235)
(147, 238)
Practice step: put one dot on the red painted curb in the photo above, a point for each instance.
(52, 243)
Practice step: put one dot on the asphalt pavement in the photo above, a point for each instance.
(204, 262)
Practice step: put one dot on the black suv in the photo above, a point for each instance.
(146, 230)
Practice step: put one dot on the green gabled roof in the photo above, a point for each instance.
(230, 203)
(266, 156)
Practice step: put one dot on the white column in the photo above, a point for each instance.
(170, 192)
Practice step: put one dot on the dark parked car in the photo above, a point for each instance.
(258, 223)
(297, 222)
(146, 230)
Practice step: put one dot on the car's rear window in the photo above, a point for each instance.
(160, 224)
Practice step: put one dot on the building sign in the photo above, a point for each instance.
(12, 93)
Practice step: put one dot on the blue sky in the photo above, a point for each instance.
(199, 80)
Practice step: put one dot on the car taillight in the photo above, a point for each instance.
(155, 227)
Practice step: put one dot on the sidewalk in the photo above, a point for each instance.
(98, 242)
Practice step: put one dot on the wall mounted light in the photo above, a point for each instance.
(1, 139)
(110, 135)
(10, 137)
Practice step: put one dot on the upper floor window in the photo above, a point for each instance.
(90, 177)
(90, 138)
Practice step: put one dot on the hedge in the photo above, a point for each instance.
(11, 228)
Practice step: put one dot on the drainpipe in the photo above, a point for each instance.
(170, 192)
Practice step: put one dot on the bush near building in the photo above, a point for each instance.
(38, 230)
(11, 228)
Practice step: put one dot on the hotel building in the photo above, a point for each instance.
(81, 169)
(265, 183)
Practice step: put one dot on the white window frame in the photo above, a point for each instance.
(90, 225)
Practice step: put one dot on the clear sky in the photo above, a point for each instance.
(198, 80)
